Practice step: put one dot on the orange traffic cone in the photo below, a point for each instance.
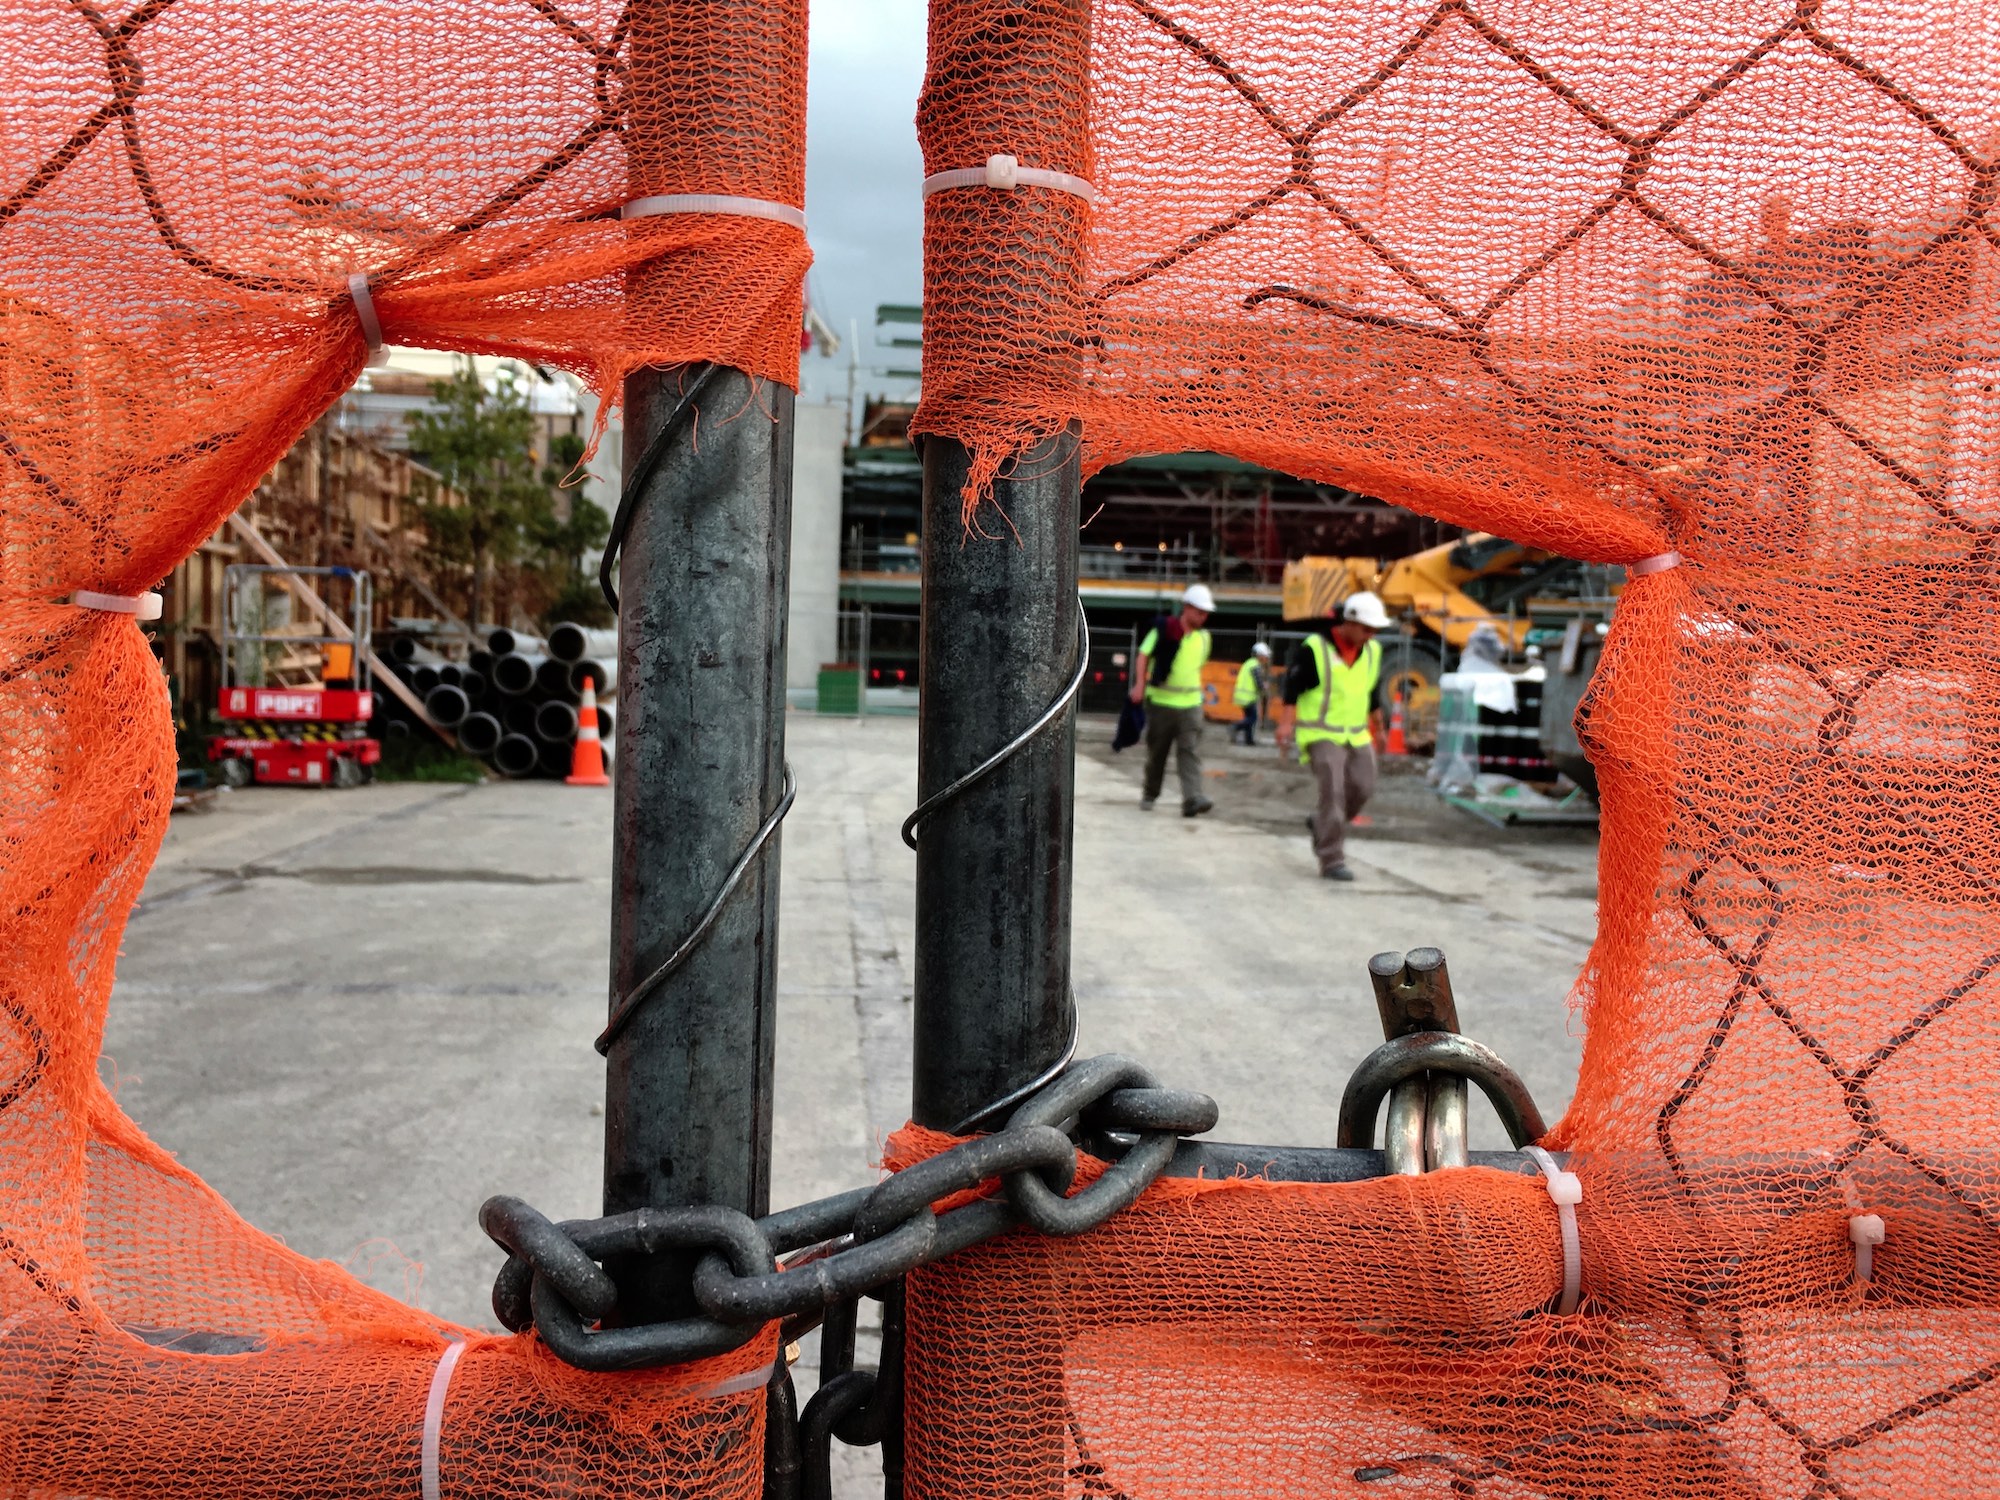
(586, 766)
(1397, 744)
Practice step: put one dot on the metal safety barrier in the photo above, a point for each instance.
(810, 1265)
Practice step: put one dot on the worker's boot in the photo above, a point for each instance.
(1196, 807)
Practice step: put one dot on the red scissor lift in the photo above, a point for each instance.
(299, 702)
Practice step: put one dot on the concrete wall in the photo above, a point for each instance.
(814, 629)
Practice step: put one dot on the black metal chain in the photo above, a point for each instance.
(862, 1408)
(852, 1243)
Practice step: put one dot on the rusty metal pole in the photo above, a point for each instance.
(701, 663)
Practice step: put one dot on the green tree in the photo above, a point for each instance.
(481, 442)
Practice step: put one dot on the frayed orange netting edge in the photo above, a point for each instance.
(1621, 280)
(208, 211)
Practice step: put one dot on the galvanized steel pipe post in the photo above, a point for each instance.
(701, 662)
(993, 1011)
(1004, 292)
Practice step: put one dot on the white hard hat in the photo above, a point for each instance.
(1261, 649)
(1198, 595)
(1365, 608)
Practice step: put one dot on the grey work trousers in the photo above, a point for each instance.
(1345, 775)
(1179, 730)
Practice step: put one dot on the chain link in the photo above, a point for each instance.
(846, 1245)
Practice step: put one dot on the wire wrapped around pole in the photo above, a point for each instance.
(628, 1004)
(929, 807)
(642, 475)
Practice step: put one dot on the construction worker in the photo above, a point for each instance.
(1331, 716)
(1253, 683)
(1168, 681)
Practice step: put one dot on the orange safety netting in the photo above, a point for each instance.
(186, 189)
(1619, 279)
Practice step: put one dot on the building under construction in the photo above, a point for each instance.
(1153, 526)
(336, 499)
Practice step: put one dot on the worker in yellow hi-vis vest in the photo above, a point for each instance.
(1253, 686)
(1330, 715)
(1167, 678)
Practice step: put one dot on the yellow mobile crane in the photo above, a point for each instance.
(1444, 593)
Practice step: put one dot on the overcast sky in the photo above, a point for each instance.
(863, 172)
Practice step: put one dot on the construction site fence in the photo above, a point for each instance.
(1706, 291)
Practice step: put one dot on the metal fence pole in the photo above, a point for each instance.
(702, 585)
(861, 697)
(993, 1011)
(700, 763)
(993, 1008)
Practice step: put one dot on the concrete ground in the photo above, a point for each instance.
(359, 1013)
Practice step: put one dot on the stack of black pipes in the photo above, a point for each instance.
(513, 703)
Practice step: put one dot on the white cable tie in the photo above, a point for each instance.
(714, 203)
(1866, 1231)
(433, 1436)
(737, 1385)
(1566, 1189)
(1659, 562)
(366, 316)
(1006, 173)
(145, 606)
(434, 1418)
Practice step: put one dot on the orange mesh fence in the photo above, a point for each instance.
(1622, 280)
(191, 192)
